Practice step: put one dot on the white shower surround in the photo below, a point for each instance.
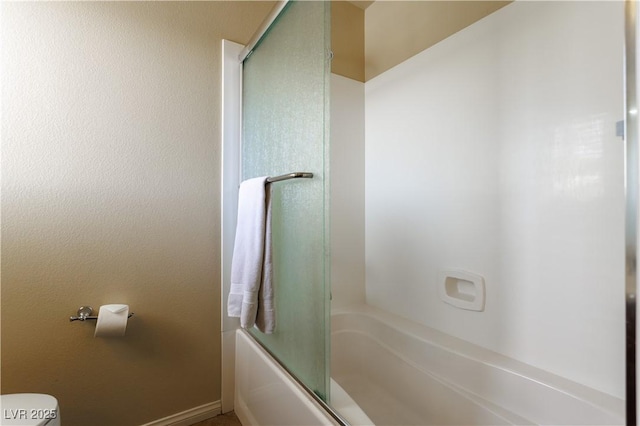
(495, 152)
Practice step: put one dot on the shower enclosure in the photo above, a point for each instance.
(494, 204)
(285, 117)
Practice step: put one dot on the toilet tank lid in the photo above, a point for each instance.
(27, 409)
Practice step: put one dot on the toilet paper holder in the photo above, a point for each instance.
(84, 313)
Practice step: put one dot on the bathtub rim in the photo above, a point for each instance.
(608, 403)
(505, 415)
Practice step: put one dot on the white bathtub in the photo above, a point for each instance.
(402, 373)
(389, 371)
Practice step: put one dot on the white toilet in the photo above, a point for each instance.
(29, 409)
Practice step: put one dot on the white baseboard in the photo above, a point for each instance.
(189, 417)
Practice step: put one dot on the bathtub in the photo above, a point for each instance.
(386, 370)
(402, 373)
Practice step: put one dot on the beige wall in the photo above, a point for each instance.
(347, 40)
(397, 30)
(110, 194)
(368, 38)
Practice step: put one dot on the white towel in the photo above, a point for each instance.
(251, 267)
(266, 317)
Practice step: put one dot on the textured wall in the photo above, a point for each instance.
(110, 193)
(347, 40)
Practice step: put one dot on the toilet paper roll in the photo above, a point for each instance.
(112, 320)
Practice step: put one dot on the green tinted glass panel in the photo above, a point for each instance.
(285, 123)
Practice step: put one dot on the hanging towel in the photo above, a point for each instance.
(266, 317)
(251, 264)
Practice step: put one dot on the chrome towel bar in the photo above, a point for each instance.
(288, 176)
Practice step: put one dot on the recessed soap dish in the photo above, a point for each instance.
(461, 289)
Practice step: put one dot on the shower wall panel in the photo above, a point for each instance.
(347, 191)
(495, 152)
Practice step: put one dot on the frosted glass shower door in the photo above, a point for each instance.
(285, 123)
